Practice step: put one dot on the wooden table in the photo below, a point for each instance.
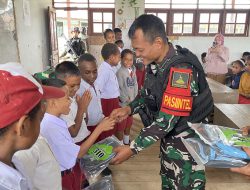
(221, 93)
(232, 115)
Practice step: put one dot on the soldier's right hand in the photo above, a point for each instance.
(121, 113)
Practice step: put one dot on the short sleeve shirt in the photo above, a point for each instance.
(55, 131)
(70, 120)
(11, 179)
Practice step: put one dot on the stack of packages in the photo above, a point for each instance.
(97, 159)
(218, 146)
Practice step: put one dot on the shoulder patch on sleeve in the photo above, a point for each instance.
(177, 99)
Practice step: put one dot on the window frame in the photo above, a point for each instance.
(171, 22)
(196, 20)
(246, 31)
(201, 11)
(90, 13)
(160, 11)
(91, 24)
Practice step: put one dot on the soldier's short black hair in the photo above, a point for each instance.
(66, 69)
(116, 30)
(107, 31)
(125, 52)
(86, 57)
(109, 49)
(151, 26)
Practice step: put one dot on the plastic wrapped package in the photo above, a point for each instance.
(104, 184)
(214, 133)
(98, 157)
(217, 146)
(217, 155)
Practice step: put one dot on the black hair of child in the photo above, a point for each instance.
(109, 49)
(66, 69)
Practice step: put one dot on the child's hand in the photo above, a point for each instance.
(106, 124)
(83, 102)
(246, 130)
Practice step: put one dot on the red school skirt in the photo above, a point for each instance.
(243, 100)
(71, 180)
(108, 105)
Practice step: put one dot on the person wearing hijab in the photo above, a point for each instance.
(217, 59)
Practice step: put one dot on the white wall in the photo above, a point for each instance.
(33, 40)
(198, 45)
(8, 43)
(125, 19)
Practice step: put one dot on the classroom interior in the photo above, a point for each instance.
(34, 33)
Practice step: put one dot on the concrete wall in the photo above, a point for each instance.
(33, 38)
(198, 45)
(8, 43)
(128, 15)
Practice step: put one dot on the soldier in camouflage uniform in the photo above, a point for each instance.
(75, 46)
(175, 92)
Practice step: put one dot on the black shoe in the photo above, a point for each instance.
(106, 172)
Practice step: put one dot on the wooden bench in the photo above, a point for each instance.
(221, 93)
(232, 115)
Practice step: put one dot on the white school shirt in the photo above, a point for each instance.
(41, 168)
(55, 131)
(95, 114)
(70, 120)
(107, 81)
(11, 179)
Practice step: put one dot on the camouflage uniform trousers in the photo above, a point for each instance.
(179, 171)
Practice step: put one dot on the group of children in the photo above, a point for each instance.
(240, 78)
(51, 135)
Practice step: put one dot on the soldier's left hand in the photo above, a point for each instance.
(123, 153)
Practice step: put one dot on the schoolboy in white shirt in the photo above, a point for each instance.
(70, 74)
(88, 69)
(56, 132)
(108, 84)
(20, 116)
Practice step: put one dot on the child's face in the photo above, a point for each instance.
(73, 84)
(127, 60)
(63, 104)
(114, 59)
(33, 128)
(236, 68)
(247, 68)
(110, 37)
(88, 71)
(120, 45)
(118, 36)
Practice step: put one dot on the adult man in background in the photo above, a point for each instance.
(75, 46)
